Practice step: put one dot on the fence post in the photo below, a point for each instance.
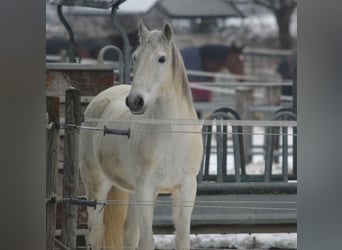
(244, 100)
(70, 167)
(52, 141)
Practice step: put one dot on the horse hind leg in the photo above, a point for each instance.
(115, 214)
(96, 187)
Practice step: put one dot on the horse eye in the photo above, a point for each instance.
(162, 59)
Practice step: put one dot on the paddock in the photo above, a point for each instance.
(228, 201)
(231, 196)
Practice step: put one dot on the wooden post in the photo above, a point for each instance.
(273, 95)
(70, 167)
(52, 141)
(273, 98)
(244, 100)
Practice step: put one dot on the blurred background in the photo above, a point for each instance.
(266, 28)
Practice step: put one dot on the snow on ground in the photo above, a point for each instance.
(233, 241)
(257, 165)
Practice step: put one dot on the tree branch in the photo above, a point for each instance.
(265, 4)
(274, 5)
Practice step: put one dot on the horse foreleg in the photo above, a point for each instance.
(144, 199)
(183, 202)
(131, 235)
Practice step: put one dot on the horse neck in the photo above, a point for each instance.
(231, 67)
(180, 97)
(180, 76)
(173, 105)
(213, 66)
(176, 103)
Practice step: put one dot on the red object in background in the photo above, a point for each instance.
(200, 95)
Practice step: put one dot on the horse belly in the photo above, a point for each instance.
(114, 158)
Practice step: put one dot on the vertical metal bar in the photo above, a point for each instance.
(126, 44)
(241, 151)
(268, 154)
(285, 148)
(294, 153)
(294, 90)
(224, 150)
(70, 170)
(238, 157)
(72, 44)
(52, 143)
(219, 153)
(208, 151)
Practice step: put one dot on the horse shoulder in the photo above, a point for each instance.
(195, 152)
(99, 104)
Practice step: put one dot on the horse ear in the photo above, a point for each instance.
(167, 30)
(237, 48)
(142, 30)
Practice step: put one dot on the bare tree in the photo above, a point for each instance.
(282, 10)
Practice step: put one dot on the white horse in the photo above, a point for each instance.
(151, 161)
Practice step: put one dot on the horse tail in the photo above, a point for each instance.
(114, 218)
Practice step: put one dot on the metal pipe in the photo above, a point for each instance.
(237, 154)
(219, 154)
(285, 148)
(208, 150)
(126, 44)
(268, 154)
(100, 59)
(294, 153)
(72, 44)
(247, 188)
(294, 90)
(286, 114)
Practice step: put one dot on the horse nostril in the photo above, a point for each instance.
(127, 103)
(138, 102)
(135, 104)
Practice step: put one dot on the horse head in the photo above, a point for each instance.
(234, 61)
(152, 67)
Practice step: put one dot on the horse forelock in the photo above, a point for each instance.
(153, 40)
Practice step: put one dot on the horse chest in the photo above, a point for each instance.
(159, 159)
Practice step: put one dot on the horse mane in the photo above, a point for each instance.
(179, 71)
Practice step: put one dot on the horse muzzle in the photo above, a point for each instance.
(136, 104)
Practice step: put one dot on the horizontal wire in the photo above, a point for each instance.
(242, 84)
(189, 122)
(196, 122)
(176, 131)
(125, 202)
(197, 206)
(139, 248)
(205, 132)
(190, 204)
(252, 202)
